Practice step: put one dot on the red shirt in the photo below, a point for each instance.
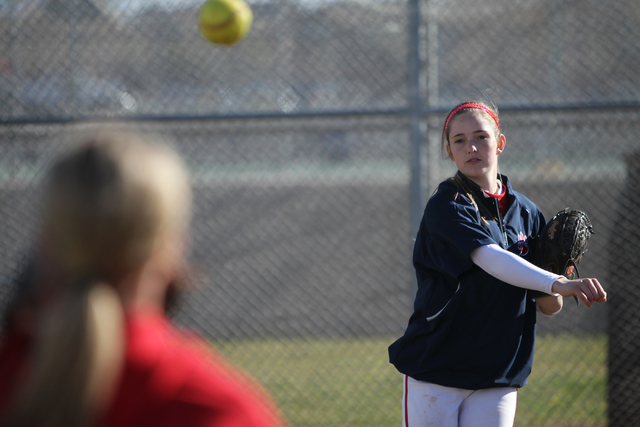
(503, 201)
(170, 379)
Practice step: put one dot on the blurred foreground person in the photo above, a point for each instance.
(88, 342)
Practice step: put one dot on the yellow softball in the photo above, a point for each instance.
(225, 22)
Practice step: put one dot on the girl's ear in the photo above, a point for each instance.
(449, 151)
(502, 141)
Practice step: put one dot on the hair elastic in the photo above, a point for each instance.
(471, 105)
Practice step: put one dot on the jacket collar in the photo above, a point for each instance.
(476, 188)
(479, 193)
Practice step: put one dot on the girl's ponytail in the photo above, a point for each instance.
(464, 188)
(77, 358)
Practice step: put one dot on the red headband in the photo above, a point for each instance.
(471, 105)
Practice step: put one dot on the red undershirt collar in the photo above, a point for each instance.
(502, 200)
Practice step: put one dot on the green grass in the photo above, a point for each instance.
(568, 385)
(350, 383)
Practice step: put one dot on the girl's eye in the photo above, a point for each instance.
(458, 141)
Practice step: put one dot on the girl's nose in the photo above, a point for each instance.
(472, 148)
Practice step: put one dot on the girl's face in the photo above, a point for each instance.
(474, 148)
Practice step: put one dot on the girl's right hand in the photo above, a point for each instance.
(588, 290)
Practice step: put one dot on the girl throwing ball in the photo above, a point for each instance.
(469, 343)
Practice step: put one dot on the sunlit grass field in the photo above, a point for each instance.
(350, 383)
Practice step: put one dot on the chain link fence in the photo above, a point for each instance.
(299, 142)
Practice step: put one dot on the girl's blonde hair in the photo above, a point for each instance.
(109, 205)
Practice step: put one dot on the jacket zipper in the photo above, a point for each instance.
(502, 228)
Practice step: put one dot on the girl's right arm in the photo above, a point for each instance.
(516, 271)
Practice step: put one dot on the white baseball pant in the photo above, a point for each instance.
(426, 404)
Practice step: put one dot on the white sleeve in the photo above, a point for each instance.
(512, 269)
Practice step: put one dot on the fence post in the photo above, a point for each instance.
(415, 133)
(623, 290)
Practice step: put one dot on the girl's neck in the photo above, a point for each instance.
(145, 288)
(490, 185)
(499, 189)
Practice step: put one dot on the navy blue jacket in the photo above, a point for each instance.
(469, 330)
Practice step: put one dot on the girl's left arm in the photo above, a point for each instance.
(549, 304)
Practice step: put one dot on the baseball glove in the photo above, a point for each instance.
(562, 243)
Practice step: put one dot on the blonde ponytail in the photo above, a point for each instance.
(76, 360)
(464, 188)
